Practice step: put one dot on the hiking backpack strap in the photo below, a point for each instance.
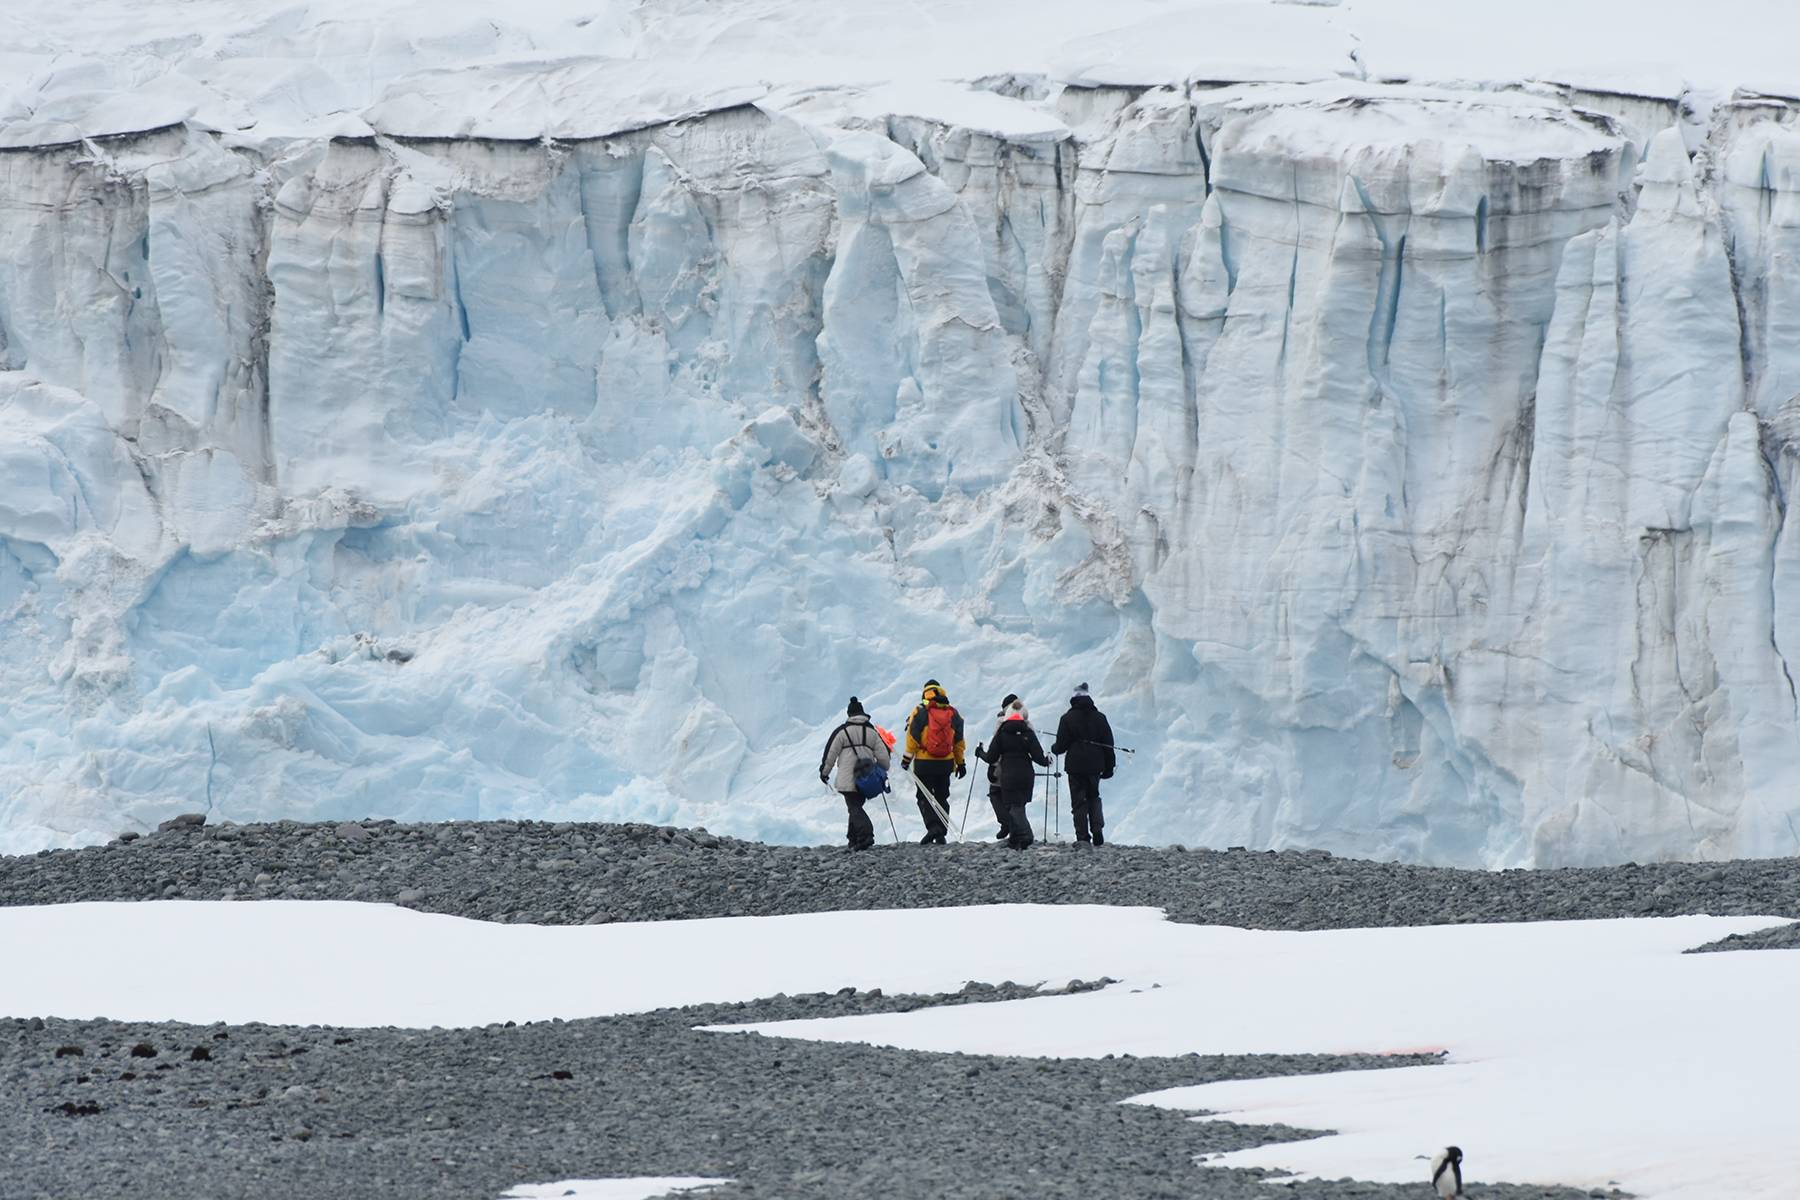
(827, 760)
(863, 744)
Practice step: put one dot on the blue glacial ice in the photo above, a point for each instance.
(1406, 469)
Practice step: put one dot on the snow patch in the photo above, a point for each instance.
(1574, 1052)
(640, 1188)
(352, 964)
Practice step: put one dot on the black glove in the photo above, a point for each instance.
(961, 770)
(825, 778)
(1106, 774)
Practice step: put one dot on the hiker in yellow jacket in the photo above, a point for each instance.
(934, 749)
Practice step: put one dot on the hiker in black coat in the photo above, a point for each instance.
(1017, 754)
(993, 772)
(1086, 739)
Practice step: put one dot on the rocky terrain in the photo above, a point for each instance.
(566, 873)
(98, 1109)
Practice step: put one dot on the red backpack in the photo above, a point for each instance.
(940, 732)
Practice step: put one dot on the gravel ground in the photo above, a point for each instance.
(393, 1115)
(1782, 937)
(566, 874)
(271, 1113)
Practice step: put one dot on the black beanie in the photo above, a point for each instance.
(933, 683)
(1010, 697)
(855, 709)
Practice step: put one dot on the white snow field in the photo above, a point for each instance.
(636, 1188)
(1574, 1057)
(348, 963)
(428, 411)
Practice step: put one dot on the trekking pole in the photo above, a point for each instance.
(1049, 794)
(890, 812)
(971, 799)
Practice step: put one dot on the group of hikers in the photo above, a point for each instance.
(859, 753)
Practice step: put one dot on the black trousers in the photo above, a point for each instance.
(1084, 804)
(1000, 812)
(935, 776)
(861, 834)
(1018, 820)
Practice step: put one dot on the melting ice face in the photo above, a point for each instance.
(1406, 467)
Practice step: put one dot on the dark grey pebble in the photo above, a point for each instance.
(575, 873)
(387, 1114)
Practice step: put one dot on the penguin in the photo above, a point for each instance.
(1446, 1172)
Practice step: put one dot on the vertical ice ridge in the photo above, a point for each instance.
(1350, 432)
(1779, 499)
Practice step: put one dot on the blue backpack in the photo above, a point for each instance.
(871, 777)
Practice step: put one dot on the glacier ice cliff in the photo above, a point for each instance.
(1405, 467)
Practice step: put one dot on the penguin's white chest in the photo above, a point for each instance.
(1446, 1175)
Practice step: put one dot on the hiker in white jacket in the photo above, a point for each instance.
(851, 744)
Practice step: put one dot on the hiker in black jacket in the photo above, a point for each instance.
(993, 773)
(1084, 736)
(1017, 754)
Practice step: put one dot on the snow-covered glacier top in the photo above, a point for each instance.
(1388, 407)
(569, 68)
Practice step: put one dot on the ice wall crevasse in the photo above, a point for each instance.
(913, 348)
(1364, 426)
(1408, 468)
(1640, 386)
